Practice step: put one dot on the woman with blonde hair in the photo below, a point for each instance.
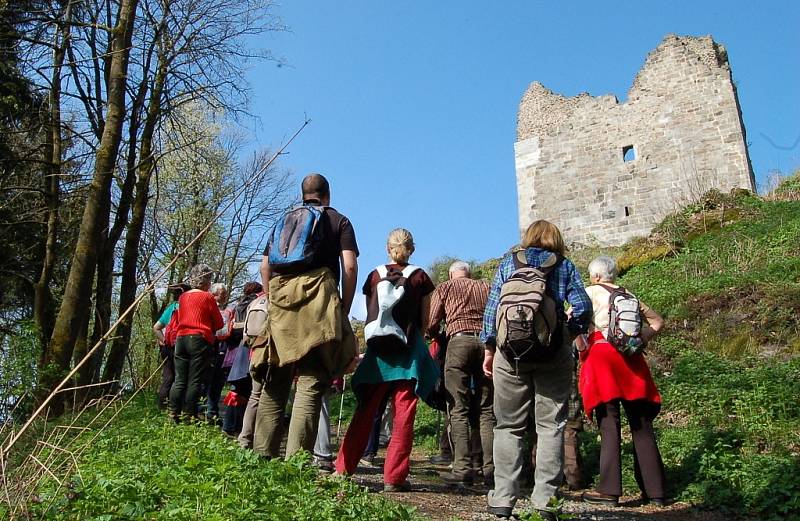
(538, 380)
(198, 319)
(396, 364)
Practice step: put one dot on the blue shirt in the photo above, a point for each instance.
(564, 284)
(167, 314)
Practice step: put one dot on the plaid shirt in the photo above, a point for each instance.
(460, 302)
(563, 284)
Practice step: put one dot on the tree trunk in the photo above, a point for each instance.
(82, 342)
(130, 256)
(79, 283)
(43, 298)
(90, 372)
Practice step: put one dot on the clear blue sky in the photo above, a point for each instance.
(413, 104)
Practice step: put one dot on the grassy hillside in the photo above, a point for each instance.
(726, 275)
(145, 467)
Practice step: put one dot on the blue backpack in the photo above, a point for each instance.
(296, 238)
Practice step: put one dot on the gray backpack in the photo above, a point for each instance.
(624, 321)
(528, 326)
(255, 319)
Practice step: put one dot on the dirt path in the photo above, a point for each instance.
(432, 498)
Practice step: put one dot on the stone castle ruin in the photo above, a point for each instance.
(606, 172)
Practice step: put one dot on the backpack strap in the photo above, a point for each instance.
(611, 290)
(409, 270)
(550, 264)
(383, 271)
(521, 260)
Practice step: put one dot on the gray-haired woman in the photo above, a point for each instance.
(198, 319)
(610, 382)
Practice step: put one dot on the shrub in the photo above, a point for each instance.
(787, 189)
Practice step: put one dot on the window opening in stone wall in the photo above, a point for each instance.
(628, 153)
(627, 211)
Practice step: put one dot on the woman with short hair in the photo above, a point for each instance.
(539, 383)
(198, 317)
(610, 379)
(404, 371)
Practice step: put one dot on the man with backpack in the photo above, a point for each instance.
(529, 357)
(460, 302)
(308, 327)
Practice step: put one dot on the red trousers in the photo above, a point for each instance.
(404, 401)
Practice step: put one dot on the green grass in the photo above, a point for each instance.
(727, 365)
(757, 251)
(145, 467)
(737, 444)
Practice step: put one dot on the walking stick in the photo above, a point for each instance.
(341, 406)
(438, 426)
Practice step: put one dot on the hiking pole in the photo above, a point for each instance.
(341, 406)
(439, 425)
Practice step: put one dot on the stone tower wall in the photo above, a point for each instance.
(682, 120)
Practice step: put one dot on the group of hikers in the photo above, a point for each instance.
(516, 363)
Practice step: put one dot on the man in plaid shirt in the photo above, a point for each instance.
(542, 387)
(460, 302)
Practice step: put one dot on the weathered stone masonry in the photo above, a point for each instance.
(605, 171)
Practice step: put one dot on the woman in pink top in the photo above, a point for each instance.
(198, 319)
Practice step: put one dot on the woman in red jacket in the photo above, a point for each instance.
(610, 379)
(198, 318)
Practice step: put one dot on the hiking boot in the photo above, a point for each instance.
(454, 479)
(574, 485)
(324, 465)
(546, 515)
(596, 498)
(655, 501)
(405, 486)
(441, 459)
(368, 460)
(504, 512)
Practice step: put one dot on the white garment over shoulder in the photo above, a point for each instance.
(388, 295)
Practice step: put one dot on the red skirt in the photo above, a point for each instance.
(607, 375)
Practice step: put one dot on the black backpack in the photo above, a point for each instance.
(239, 319)
(528, 325)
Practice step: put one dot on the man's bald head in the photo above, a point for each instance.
(315, 186)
